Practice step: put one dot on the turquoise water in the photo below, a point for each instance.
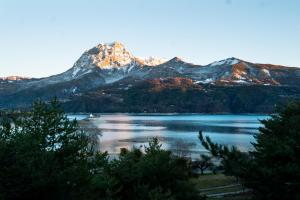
(177, 132)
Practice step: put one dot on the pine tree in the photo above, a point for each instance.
(44, 156)
(272, 169)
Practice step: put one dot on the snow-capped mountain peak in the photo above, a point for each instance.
(103, 56)
(14, 78)
(228, 61)
(151, 61)
(176, 59)
(110, 55)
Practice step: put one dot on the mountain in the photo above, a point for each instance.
(13, 78)
(111, 67)
(182, 95)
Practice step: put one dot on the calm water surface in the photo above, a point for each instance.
(177, 132)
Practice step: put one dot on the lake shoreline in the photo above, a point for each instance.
(162, 113)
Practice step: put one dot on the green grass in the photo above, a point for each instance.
(212, 180)
(222, 190)
(209, 181)
(237, 197)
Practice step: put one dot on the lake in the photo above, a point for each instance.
(177, 132)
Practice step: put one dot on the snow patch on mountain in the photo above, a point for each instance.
(151, 61)
(208, 80)
(228, 61)
(267, 72)
(130, 68)
(76, 70)
(240, 81)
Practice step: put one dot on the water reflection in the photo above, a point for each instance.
(178, 132)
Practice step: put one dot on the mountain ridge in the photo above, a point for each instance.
(111, 64)
(110, 56)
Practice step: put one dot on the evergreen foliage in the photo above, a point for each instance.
(272, 169)
(45, 156)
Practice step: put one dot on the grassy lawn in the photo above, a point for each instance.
(207, 182)
(237, 197)
(212, 180)
(223, 190)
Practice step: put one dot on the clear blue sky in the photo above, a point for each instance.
(44, 37)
